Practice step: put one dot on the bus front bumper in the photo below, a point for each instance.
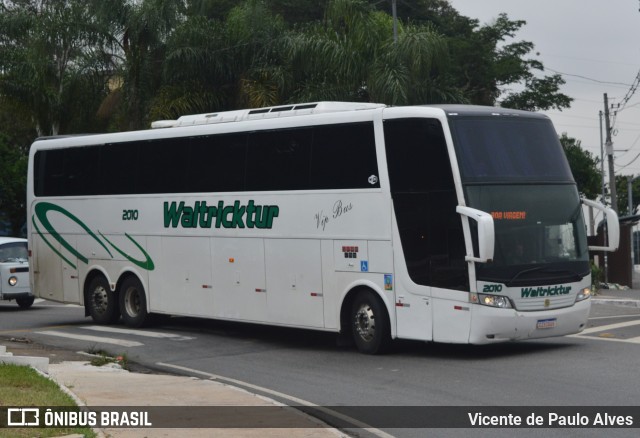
(490, 325)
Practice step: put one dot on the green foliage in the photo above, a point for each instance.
(48, 59)
(622, 187)
(101, 358)
(539, 94)
(584, 166)
(79, 66)
(141, 60)
(13, 183)
(597, 277)
(23, 386)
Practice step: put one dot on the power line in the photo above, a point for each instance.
(632, 90)
(587, 78)
(634, 159)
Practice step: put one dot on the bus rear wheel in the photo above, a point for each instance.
(133, 303)
(101, 301)
(370, 324)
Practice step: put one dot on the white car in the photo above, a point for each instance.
(14, 271)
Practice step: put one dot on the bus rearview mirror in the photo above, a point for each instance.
(486, 234)
(613, 226)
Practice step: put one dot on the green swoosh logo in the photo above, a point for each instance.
(41, 211)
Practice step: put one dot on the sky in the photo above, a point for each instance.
(595, 44)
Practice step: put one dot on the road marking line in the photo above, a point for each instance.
(603, 328)
(145, 333)
(635, 315)
(59, 306)
(98, 339)
(597, 338)
(222, 379)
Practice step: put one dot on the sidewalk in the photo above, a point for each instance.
(624, 297)
(112, 386)
(620, 297)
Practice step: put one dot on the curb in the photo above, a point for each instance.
(626, 302)
(40, 364)
(81, 404)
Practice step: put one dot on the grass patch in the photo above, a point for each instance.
(22, 386)
(102, 357)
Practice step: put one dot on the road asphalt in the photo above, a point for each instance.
(104, 386)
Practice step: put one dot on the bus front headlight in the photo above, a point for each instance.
(492, 301)
(13, 281)
(583, 294)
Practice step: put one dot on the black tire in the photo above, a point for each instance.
(133, 304)
(25, 303)
(101, 301)
(370, 324)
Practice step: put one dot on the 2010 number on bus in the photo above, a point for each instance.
(129, 215)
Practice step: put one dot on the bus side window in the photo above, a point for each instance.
(425, 201)
(279, 160)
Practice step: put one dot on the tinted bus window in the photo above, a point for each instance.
(344, 157)
(424, 200)
(307, 158)
(279, 160)
(216, 163)
(494, 149)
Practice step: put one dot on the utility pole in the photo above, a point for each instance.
(394, 12)
(609, 144)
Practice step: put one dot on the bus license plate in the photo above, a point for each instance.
(546, 323)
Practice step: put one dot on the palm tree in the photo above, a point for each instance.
(138, 33)
(352, 55)
(212, 64)
(46, 56)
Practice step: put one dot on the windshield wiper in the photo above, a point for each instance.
(574, 275)
(524, 271)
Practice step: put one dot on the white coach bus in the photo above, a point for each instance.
(455, 224)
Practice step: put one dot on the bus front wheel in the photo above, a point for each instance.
(101, 301)
(370, 324)
(25, 303)
(133, 303)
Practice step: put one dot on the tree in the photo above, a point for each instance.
(13, 183)
(213, 65)
(584, 166)
(138, 32)
(622, 186)
(46, 58)
(351, 55)
(486, 62)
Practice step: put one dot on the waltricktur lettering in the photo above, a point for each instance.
(532, 292)
(201, 215)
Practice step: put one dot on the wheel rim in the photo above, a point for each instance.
(100, 299)
(132, 301)
(365, 323)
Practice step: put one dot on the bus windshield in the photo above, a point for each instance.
(514, 168)
(540, 233)
(504, 149)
